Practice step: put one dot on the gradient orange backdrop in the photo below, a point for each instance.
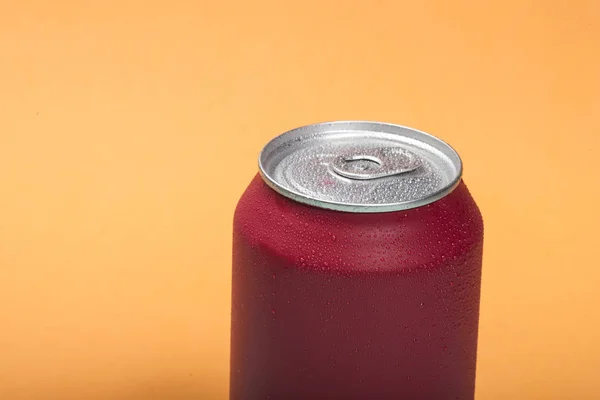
(128, 130)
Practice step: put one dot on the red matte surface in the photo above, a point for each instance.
(331, 305)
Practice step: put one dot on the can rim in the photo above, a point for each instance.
(354, 207)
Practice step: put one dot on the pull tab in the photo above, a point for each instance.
(376, 163)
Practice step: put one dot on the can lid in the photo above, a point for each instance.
(360, 166)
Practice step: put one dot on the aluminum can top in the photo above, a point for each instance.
(360, 166)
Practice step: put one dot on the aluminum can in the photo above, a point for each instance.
(357, 254)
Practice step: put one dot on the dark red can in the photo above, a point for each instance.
(356, 269)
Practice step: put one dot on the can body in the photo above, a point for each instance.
(338, 305)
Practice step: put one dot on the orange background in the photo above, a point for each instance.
(128, 130)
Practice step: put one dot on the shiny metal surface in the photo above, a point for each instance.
(359, 166)
(375, 163)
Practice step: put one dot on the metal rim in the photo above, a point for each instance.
(362, 208)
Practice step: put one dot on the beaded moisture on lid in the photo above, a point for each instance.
(358, 166)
